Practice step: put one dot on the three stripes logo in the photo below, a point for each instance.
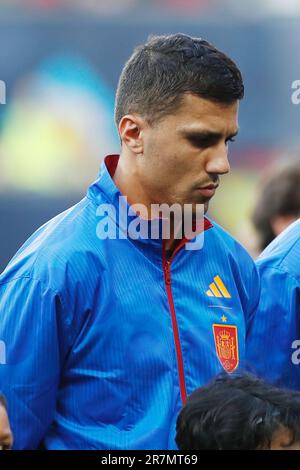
(218, 289)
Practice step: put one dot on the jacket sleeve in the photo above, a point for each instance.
(33, 344)
(274, 336)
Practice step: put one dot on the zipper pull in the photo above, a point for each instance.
(167, 272)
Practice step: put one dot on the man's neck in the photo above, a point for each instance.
(127, 181)
(125, 178)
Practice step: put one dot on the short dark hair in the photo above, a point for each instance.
(279, 196)
(237, 412)
(162, 70)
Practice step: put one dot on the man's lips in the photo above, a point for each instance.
(208, 191)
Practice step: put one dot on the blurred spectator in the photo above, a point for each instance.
(273, 346)
(278, 204)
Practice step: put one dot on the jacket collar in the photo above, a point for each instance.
(104, 190)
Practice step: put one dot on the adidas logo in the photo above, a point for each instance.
(218, 289)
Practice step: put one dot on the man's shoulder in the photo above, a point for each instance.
(283, 253)
(64, 245)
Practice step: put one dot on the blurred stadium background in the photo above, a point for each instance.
(61, 59)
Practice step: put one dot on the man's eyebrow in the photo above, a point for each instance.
(206, 134)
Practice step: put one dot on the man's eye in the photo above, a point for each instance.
(200, 143)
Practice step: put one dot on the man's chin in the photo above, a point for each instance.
(201, 207)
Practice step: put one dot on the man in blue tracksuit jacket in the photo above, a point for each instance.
(101, 337)
(273, 346)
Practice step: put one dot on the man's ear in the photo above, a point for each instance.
(131, 128)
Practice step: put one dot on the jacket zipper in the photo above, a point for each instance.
(168, 285)
(182, 385)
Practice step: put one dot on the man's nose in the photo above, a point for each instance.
(217, 162)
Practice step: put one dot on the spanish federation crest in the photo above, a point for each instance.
(226, 342)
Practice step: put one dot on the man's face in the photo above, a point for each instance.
(5, 432)
(186, 152)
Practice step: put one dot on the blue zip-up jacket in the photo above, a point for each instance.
(273, 346)
(103, 339)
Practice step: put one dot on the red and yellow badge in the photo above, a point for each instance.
(226, 341)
